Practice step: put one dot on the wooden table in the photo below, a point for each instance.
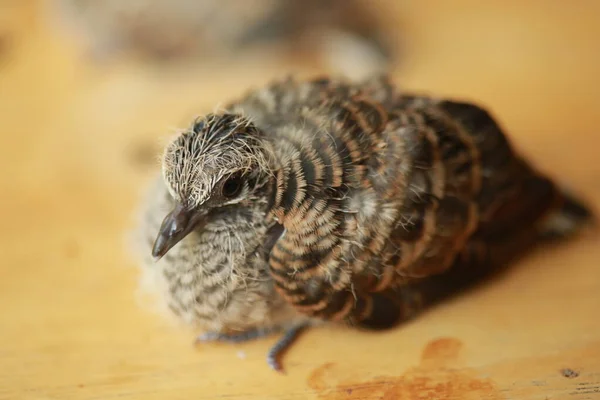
(75, 140)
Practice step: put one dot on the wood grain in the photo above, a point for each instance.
(78, 143)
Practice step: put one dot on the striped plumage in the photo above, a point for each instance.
(365, 193)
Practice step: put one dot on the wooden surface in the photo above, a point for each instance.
(73, 144)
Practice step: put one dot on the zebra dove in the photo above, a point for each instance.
(349, 202)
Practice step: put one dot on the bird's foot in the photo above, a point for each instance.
(238, 337)
(274, 354)
(284, 343)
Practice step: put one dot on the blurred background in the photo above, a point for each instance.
(90, 91)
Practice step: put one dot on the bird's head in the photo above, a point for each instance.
(221, 160)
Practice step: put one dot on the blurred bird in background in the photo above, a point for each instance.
(343, 34)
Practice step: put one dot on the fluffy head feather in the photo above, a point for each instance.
(218, 156)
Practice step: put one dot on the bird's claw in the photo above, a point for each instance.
(274, 354)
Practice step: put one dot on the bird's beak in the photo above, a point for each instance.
(176, 226)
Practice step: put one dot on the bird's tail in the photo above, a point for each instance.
(568, 219)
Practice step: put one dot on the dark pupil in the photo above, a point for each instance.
(232, 187)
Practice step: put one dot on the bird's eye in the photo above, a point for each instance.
(232, 186)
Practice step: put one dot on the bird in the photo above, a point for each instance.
(201, 30)
(364, 204)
